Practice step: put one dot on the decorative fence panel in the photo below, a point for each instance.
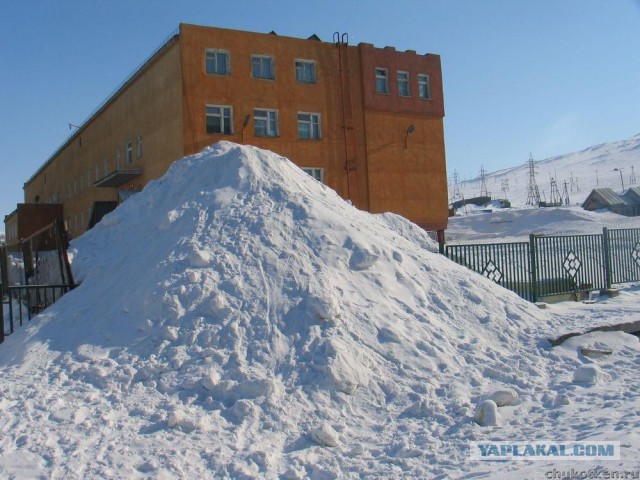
(568, 264)
(555, 265)
(507, 264)
(624, 246)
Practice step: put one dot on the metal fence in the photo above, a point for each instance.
(22, 302)
(555, 265)
(34, 273)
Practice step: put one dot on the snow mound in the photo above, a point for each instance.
(240, 302)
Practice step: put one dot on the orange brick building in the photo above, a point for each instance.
(366, 121)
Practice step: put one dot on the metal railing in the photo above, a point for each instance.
(28, 300)
(555, 265)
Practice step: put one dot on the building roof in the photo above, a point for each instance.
(633, 194)
(605, 197)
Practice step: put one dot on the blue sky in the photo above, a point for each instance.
(544, 76)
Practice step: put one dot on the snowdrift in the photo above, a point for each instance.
(238, 318)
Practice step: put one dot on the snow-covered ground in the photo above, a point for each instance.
(237, 319)
(594, 167)
(515, 224)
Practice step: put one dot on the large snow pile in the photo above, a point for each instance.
(237, 318)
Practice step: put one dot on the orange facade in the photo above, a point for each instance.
(369, 121)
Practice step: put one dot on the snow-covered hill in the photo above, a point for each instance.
(238, 319)
(582, 171)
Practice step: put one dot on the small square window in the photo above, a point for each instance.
(317, 173)
(265, 123)
(382, 80)
(309, 126)
(217, 62)
(306, 71)
(403, 84)
(262, 67)
(219, 119)
(424, 89)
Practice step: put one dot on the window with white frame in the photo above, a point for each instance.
(306, 71)
(129, 153)
(265, 123)
(424, 89)
(139, 146)
(309, 126)
(262, 66)
(317, 173)
(403, 84)
(217, 62)
(382, 80)
(219, 119)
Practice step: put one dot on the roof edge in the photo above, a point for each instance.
(146, 63)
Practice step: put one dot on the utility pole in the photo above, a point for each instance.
(619, 170)
(483, 183)
(533, 197)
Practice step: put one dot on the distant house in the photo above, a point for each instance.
(605, 198)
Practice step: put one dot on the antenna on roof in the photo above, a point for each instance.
(71, 125)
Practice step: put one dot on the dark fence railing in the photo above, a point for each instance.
(507, 264)
(34, 273)
(555, 265)
(22, 302)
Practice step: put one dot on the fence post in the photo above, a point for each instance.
(534, 267)
(4, 270)
(1, 315)
(607, 257)
(62, 244)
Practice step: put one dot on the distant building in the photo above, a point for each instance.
(605, 198)
(366, 121)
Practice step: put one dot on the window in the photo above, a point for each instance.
(306, 71)
(219, 119)
(139, 146)
(106, 167)
(97, 172)
(424, 89)
(317, 173)
(129, 153)
(403, 84)
(382, 80)
(118, 158)
(217, 62)
(309, 126)
(262, 66)
(265, 123)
